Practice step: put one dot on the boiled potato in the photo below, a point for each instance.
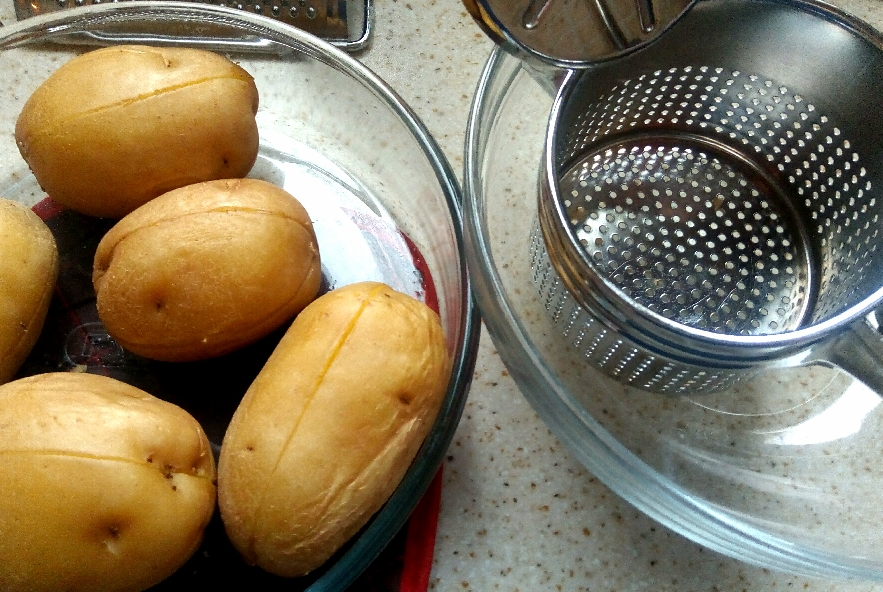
(116, 127)
(102, 486)
(206, 269)
(330, 425)
(28, 271)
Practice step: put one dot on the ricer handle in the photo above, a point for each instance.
(859, 351)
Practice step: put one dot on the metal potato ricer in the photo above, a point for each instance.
(710, 199)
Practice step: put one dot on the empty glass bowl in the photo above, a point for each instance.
(781, 471)
(383, 200)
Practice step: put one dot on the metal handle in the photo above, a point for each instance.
(346, 24)
(574, 34)
(859, 351)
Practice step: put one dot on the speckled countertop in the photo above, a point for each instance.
(518, 512)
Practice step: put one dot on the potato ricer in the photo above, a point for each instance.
(709, 202)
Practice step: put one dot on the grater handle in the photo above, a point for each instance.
(859, 351)
(346, 24)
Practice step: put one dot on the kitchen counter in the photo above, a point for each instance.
(518, 512)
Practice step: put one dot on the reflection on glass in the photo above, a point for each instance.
(842, 419)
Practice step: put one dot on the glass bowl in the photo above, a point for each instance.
(781, 471)
(382, 197)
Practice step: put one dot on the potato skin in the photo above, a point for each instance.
(206, 269)
(330, 425)
(102, 486)
(28, 272)
(118, 126)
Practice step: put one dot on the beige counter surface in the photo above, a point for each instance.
(518, 512)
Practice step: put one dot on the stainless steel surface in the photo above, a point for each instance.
(692, 233)
(344, 23)
(607, 349)
(714, 209)
(574, 33)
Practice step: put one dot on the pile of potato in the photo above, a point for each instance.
(105, 487)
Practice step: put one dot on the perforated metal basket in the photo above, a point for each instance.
(710, 206)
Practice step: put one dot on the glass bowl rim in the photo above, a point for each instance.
(591, 444)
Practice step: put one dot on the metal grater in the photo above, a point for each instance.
(344, 23)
